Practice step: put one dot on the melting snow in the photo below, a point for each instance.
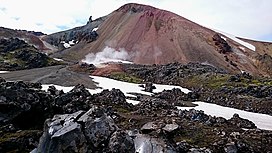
(262, 121)
(134, 102)
(66, 45)
(224, 38)
(232, 37)
(72, 42)
(69, 44)
(58, 59)
(95, 29)
(126, 87)
(4, 72)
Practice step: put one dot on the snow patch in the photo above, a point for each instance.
(58, 59)
(224, 38)
(4, 72)
(134, 102)
(69, 44)
(242, 48)
(72, 42)
(127, 88)
(234, 38)
(262, 121)
(95, 29)
(108, 55)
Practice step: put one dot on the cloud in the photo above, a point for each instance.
(245, 18)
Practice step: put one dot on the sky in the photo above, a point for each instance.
(245, 18)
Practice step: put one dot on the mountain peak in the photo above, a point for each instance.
(135, 8)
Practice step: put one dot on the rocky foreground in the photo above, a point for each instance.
(77, 121)
(213, 85)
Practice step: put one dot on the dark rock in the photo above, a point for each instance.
(231, 148)
(73, 101)
(150, 106)
(145, 143)
(63, 134)
(149, 87)
(222, 45)
(99, 130)
(83, 132)
(120, 142)
(114, 97)
(241, 123)
(8, 45)
(182, 147)
(20, 55)
(170, 128)
(24, 106)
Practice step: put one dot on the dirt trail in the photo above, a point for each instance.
(59, 75)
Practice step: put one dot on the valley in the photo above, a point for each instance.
(139, 79)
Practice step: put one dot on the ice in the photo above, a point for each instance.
(262, 121)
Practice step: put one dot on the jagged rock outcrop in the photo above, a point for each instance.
(83, 33)
(223, 46)
(93, 131)
(16, 54)
(241, 123)
(148, 87)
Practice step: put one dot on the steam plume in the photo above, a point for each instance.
(107, 55)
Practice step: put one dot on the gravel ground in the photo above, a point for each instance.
(59, 75)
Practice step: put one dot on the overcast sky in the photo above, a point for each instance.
(245, 18)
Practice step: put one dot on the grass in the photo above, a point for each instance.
(211, 81)
(216, 81)
(14, 136)
(201, 136)
(121, 76)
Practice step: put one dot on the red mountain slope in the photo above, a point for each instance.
(155, 36)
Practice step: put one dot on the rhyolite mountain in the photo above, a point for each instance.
(154, 36)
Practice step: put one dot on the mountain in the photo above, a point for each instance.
(155, 36)
(31, 37)
(21, 49)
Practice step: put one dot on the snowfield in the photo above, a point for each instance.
(262, 121)
(239, 41)
(126, 87)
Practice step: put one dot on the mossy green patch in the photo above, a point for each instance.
(217, 81)
(14, 136)
(121, 76)
(208, 80)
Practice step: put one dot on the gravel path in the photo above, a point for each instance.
(58, 75)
